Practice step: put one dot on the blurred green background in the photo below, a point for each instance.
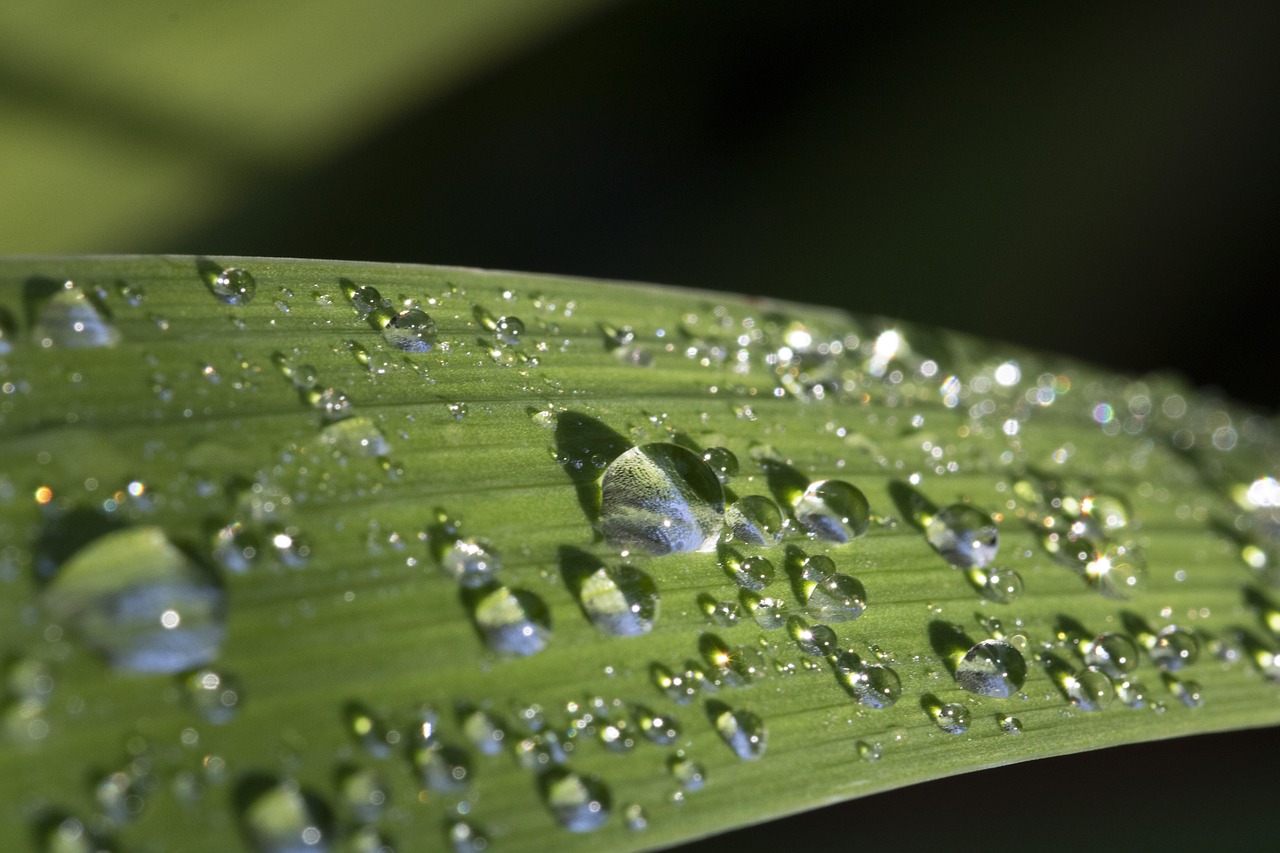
(1097, 179)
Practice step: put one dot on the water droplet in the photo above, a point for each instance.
(234, 286)
(1186, 691)
(355, 437)
(837, 598)
(1174, 648)
(333, 404)
(689, 774)
(992, 668)
(833, 510)
(1001, 585)
(870, 752)
(365, 299)
(411, 331)
(754, 520)
(952, 718)
(1010, 725)
(70, 319)
(814, 640)
(636, 818)
(1109, 512)
(70, 835)
(753, 572)
(368, 730)
(484, 730)
(121, 794)
(964, 535)
(509, 330)
(768, 612)
(732, 667)
(722, 613)
(134, 597)
(620, 600)
(282, 818)
(1131, 692)
(616, 735)
(874, 685)
(661, 499)
(512, 622)
(464, 837)
(680, 687)
(444, 768)
(1114, 654)
(1089, 689)
(742, 731)
(722, 461)
(470, 561)
(212, 694)
(364, 793)
(1116, 570)
(662, 729)
(579, 803)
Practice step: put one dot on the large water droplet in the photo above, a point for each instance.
(620, 600)
(411, 331)
(661, 499)
(1116, 570)
(1089, 689)
(134, 597)
(952, 718)
(754, 520)
(70, 319)
(992, 668)
(512, 622)
(742, 731)
(964, 535)
(837, 598)
(833, 510)
(283, 818)
(579, 803)
(234, 286)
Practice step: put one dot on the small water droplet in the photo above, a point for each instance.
(992, 668)
(1001, 585)
(71, 320)
(814, 640)
(1109, 512)
(620, 600)
(470, 561)
(233, 286)
(282, 818)
(364, 793)
(870, 752)
(365, 299)
(1116, 570)
(749, 572)
(875, 686)
(837, 598)
(1174, 648)
(952, 718)
(355, 437)
(833, 510)
(579, 803)
(411, 331)
(464, 837)
(1089, 689)
(509, 330)
(725, 614)
(483, 730)
(742, 731)
(121, 794)
(512, 622)
(368, 730)
(444, 768)
(964, 535)
(1186, 691)
(1131, 692)
(636, 818)
(1115, 654)
(1010, 725)
(754, 520)
(213, 694)
(722, 461)
(661, 499)
(689, 774)
(769, 612)
(134, 597)
(333, 404)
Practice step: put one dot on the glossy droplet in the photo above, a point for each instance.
(689, 774)
(749, 572)
(661, 499)
(579, 803)
(1010, 725)
(814, 640)
(464, 837)
(742, 731)
(512, 622)
(952, 718)
(364, 793)
(1109, 512)
(837, 598)
(620, 600)
(680, 687)
(992, 668)
(874, 685)
(1186, 691)
(365, 299)
(1131, 692)
(659, 728)
(1114, 654)
(213, 694)
(285, 819)
(471, 562)
(411, 331)
(1089, 689)
(722, 613)
(355, 437)
(833, 510)
(754, 520)
(615, 735)
(234, 286)
(964, 535)
(333, 404)
(769, 612)
(1116, 570)
(636, 817)
(1001, 585)
(509, 330)
(483, 730)
(368, 730)
(132, 596)
(444, 768)
(70, 320)
(1174, 648)
(70, 835)
(722, 461)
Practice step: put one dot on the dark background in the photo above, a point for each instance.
(1097, 179)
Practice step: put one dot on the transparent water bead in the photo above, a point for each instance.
(1115, 654)
(964, 535)
(465, 837)
(662, 729)
(471, 562)
(410, 331)
(952, 718)
(512, 622)
(637, 819)
(754, 520)
(355, 437)
(212, 694)
(837, 598)
(71, 320)
(769, 612)
(661, 499)
(1116, 570)
(1186, 691)
(444, 768)
(742, 731)
(364, 793)
(689, 774)
(284, 819)
(135, 598)
(992, 668)
(483, 730)
(1174, 648)
(874, 685)
(578, 803)
(749, 572)
(814, 640)
(620, 600)
(1109, 512)
(1089, 689)
(1001, 585)
(234, 286)
(833, 510)
(722, 461)
(1010, 725)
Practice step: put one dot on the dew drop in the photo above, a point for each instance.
(579, 803)
(870, 752)
(964, 535)
(365, 299)
(754, 520)
(833, 510)
(814, 640)
(444, 768)
(635, 817)
(368, 730)
(1010, 725)
(213, 694)
(509, 330)
(355, 437)
(722, 461)
(1186, 691)
(952, 718)
(1174, 648)
(837, 598)
(620, 600)
(875, 686)
(752, 572)
(1116, 570)
(661, 499)
(411, 331)
(992, 668)
(662, 729)
(135, 598)
(722, 613)
(1131, 692)
(689, 774)
(364, 793)
(234, 286)
(1001, 585)
(71, 320)
(1089, 689)
(1114, 654)
(512, 622)
(1109, 512)
(483, 730)
(769, 612)
(283, 818)
(464, 837)
(471, 562)
(742, 731)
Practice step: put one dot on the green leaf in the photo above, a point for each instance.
(258, 514)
